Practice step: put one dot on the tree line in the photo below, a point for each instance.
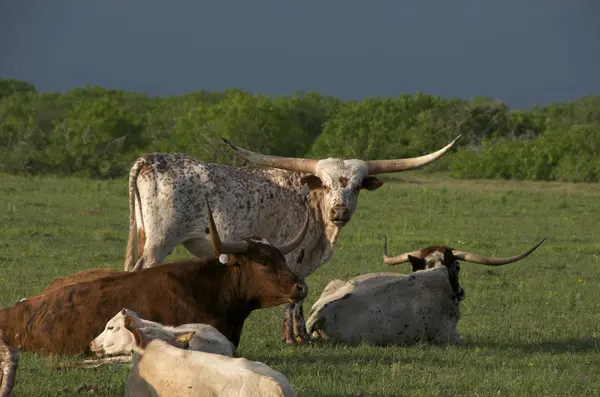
(98, 132)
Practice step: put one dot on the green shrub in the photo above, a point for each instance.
(99, 132)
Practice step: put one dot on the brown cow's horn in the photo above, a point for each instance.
(385, 166)
(489, 261)
(286, 163)
(294, 243)
(396, 260)
(234, 247)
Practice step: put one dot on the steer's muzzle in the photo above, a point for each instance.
(340, 215)
(299, 292)
(95, 348)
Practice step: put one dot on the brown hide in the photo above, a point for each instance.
(66, 319)
(85, 275)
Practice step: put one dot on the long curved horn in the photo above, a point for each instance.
(396, 260)
(286, 163)
(294, 243)
(233, 247)
(489, 261)
(385, 166)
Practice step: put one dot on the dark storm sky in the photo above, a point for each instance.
(523, 52)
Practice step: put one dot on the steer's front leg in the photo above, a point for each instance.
(287, 333)
(300, 332)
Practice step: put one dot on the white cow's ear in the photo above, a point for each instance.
(223, 258)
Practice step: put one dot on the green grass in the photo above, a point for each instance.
(529, 329)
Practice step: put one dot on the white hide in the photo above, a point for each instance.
(388, 308)
(115, 339)
(166, 371)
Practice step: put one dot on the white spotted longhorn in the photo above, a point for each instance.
(166, 206)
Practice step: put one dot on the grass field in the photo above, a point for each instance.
(528, 329)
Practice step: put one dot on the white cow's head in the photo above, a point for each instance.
(115, 339)
(340, 180)
(442, 256)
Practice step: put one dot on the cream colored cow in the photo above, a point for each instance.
(115, 339)
(391, 308)
(167, 369)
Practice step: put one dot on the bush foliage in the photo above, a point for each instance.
(99, 132)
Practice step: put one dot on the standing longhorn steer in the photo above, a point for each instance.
(256, 276)
(391, 308)
(163, 192)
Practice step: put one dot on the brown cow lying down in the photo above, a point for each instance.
(66, 319)
(84, 275)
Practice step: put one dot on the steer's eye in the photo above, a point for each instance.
(326, 188)
(110, 328)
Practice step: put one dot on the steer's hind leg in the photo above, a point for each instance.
(287, 330)
(300, 332)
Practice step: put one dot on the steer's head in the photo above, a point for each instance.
(262, 265)
(340, 181)
(442, 256)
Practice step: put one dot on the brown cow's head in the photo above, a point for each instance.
(262, 265)
(437, 256)
(340, 181)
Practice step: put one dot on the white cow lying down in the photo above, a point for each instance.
(391, 308)
(117, 340)
(161, 369)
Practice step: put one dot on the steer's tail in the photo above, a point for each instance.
(133, 195)
(9, 361)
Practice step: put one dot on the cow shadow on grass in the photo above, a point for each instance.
(327, 357)
(569, 345)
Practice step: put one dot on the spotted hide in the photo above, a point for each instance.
(166, 210)
(391, 308)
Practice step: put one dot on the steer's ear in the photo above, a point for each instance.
(313, 181)
(448, 257)
(137, 335)
(182, 339)
(371, 183)
(417, 263)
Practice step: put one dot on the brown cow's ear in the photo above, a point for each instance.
(182, 340)
(371, 183)
(137, 335)
(313, 181)
(417, 263)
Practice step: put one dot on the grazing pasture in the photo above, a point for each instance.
(529, 329)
